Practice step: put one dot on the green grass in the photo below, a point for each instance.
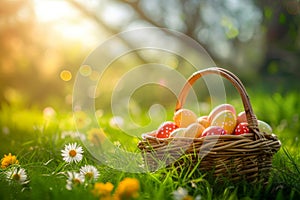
(37, 142)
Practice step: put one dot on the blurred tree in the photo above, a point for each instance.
(251, 36)
(282, 42)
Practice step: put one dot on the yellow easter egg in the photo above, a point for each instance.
(220, 108)
(226, 120)
(184, 117)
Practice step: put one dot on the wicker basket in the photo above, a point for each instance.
(233, 157)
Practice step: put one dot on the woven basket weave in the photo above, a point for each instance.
(233, 157)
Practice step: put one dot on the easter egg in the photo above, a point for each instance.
(213, 130)
(226, 120)
(219, 109)
(241, 128)
(264, 127)
(241, 117)
(165, 130)
(203, 120)
(184, 117)
(179, 132)
(194, 130)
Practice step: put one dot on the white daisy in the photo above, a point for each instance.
(72, 152)
(74, 179)
(89, 172)
(180, 194)
(17, 174)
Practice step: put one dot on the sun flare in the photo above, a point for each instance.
(66, 21)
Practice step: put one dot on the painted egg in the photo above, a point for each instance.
(242, 117)
(179, 132)
(194, 130)
(226, 120)
(184, 117)
(165, 130)
(264, 127)
(241, 128)
(203, 120)
(219, 109)
(213, 130)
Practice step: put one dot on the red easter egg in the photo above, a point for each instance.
(213, 130)
(165, 130)
(241, 128)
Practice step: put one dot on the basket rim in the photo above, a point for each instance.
(146, 136)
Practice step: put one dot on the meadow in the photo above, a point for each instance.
(37, 137)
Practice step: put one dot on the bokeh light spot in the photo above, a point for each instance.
(94, 76)
(49, 112)
(66, 75)
(85, 70)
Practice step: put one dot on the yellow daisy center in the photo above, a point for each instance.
(76, 181)
(89, 175)
(72, 153)
(16, 177)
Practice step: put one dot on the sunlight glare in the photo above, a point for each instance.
(47, 10)
(66, 21)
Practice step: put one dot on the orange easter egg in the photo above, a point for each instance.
(203, 120)
(184, 117)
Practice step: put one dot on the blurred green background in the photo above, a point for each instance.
(44, 42)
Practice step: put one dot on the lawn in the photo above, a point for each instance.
(37, 137)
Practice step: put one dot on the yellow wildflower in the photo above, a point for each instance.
(8, 160)
(103, 190)
(127, 189)
(96, 136)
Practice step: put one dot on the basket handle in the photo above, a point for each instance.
(251, 118)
